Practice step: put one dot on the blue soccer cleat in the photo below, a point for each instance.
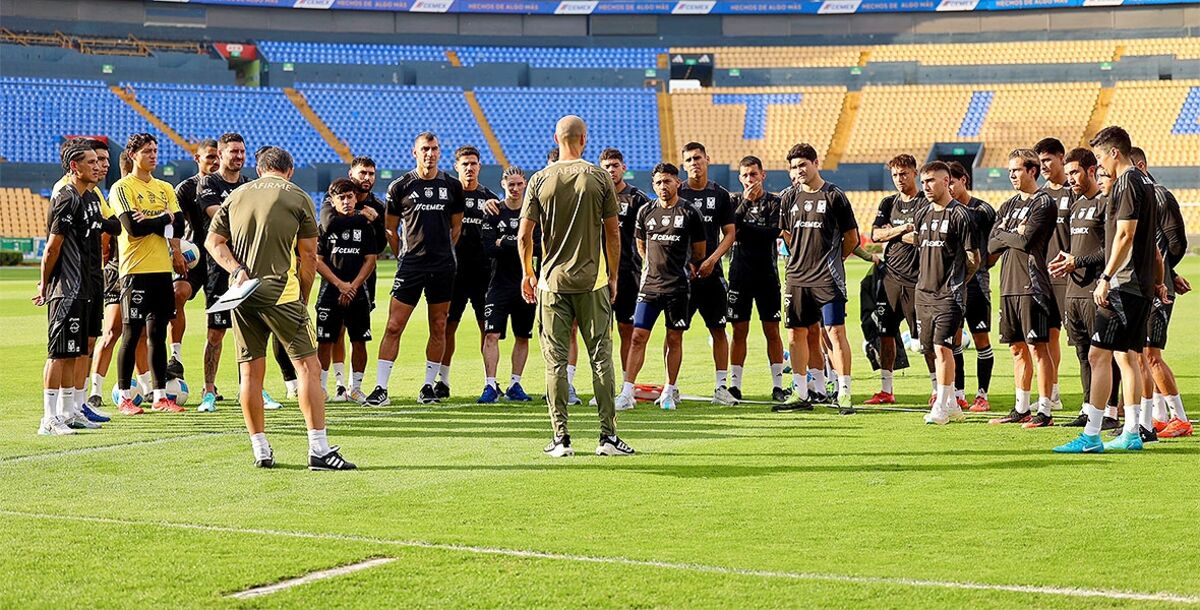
(209, 404)
(92, 415)
(1128, 441)
(490, 395)
(1084, 443)
(270, 403)
(517, 393)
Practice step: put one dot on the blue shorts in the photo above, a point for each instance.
(649, 306)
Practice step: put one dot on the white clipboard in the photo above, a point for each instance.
(234, 296)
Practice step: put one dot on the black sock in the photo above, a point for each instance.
(960, 376)
(984, 361)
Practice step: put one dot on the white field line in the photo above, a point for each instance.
(310, 577)
(1071, 592)
(111, 447)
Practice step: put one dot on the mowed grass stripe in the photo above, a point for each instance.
(1072, 592)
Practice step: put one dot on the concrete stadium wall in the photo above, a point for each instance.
(51, 62)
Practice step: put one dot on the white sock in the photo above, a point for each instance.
(843, 385)
(80, 400)
(97, 384)
(318, 443)
(262, 449)
(143, 382)
(49, 403)
(514, 379)
(627, 388)
(383, 370)
(1095, 419)
(444, 373)
(325, 379)
(943, 398)
(1044, 406)
(722, 378)
(1177, 406)
(66, 402)
(1111, 411)
(960, 395)
(570, 374)
(777, 374)
(1161, 413)
(356, 380)
(1147, 415)
(127, 393)
(1023, 401)
(799, 380)
(490, 381)
(292, 385)
(431, 371)
(735, 376)
(339, 374)
(981, 393)
(1132, 413)
(819, 381)
(668, 389)
(160, 395)
(1054, 395)
(177, 351)
(933, 382)
(887, 381)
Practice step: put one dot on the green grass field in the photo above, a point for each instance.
(723, 507)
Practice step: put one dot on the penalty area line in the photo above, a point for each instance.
(1071, 592)
(310, 577)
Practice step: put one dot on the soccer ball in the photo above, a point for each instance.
(191, 254)
(137, 394)
(177, 390)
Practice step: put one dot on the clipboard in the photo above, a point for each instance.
(235, 296)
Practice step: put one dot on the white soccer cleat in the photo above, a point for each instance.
(357, 395)
(937, 417)
(955, 414)
(54, 426)
(668, 401)
(626, 402)
(722, 396)
(77, 421)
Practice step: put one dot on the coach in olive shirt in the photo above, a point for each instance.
(256, 234)
(575, 205)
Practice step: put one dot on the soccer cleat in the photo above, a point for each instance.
(881, 398)
(166, 405)
(426, 395)
(1126, 441)
(818, 398)
(844, 405)
(1079, 421)
(625, 402)
(735, 392)
(937, 416)
(668, 401)
(722, 396)
(54, 426)
(1056, 405)
(79, 422)
(572, 397)
(270, 403)
(442, 390)
(378, 398)
(932, 399)
(218, 393)
(490, 395)
(1013, 417)
(267, 462)
(1148, 436)
(612, 445)
(340, 394)
(981, 405)
(1084, 443)
(1176, 428)
(559, 447)
(794, 403)
(956, 413)
(779, 394)
(1160, 425)
(209, 404)
(1039, 420)
(962, 404)
(174, 369)
(1110, 423)
(517, 393)
(330, 461)
(356, 395)
(91, 414)
(128, 408)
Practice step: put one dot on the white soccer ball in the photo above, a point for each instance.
(191, 254)
(177, 390)
(137, 394)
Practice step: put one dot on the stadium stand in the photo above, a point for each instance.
(366, 116)
(524, 118)
(780, 57)
(22, 213)
(338, 53)
(996, 53)
(763, 122)
(537, 57)
(1181, 48)
(1162, 117)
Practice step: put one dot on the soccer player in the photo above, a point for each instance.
(367, 205)
(1081, 264)
(148, 247)
(1050, 154)
(471, 278)
(709, 296)
(630, 201)
(754, 275)
(196, 221)
(1130, 279)
(947, 255)
(261, 232)
(504, 300)
(672, 241)
(818, 225)
(346, 256)
(979, 294)
(65, 284)
(431, 204)
(893, 222)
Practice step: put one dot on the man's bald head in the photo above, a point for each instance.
(570, 133)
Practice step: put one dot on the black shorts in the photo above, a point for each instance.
(938, 323)
(94, 317)
(504, 304)
(331, 317)
(1156, 326)
(1121, 327)
(747, 293)
(217, 284)
(470, 286)
(675, 307)
(409, 284)
(806, 306)
(1060, 301)
(627, 296)
(1027, 319)
(979, 309)
(146, 295)
(112, 284)
(66, 332)
(197, 277)
(708, 296)
(1078, 320)
(899, 304)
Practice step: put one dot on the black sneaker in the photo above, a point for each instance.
(1110, 423)
(1079, 421)
(330, 461)
(378, 397)
(1039, 420)
(217, 394)
(560, 447)
(1014, 417)
(735, 391)
(793, 403)
(427, 395)
(267, 462)
(779, 394)
(1148, 436)
(846, 411)
(612, 445)
(174, 369)
(819, 399)
(441, 390)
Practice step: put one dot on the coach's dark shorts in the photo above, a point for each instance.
(355, 317)
(708, 296)
(674, 306)
(1079, 319)
(746, 293)
(146, 295)
(289, 322)
(1156, 328)
(1027, 319)
(627, 298)
(408, 286)
(807, 305)
(67, 329)
(470, 286)
(979, 309)
(938, 323)
(1121, 327)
